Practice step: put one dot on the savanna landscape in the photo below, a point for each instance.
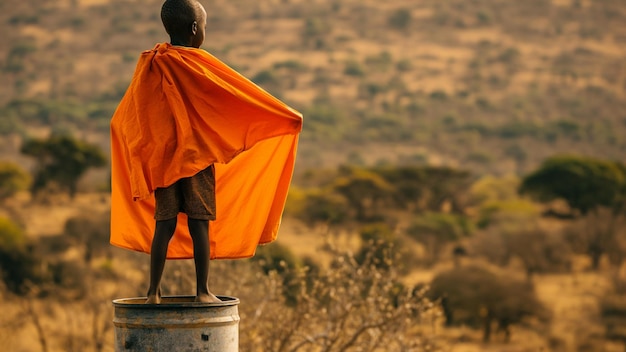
(460, 182)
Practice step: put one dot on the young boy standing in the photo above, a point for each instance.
(191, 133)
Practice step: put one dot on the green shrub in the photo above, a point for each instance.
(564, 128)
(484, 18)
(24, 19)
(129, 57)
(353, 68)
(509, 55)
(277, 258)
(483, 103)
(400, 19)
(404, 65)
(480, 157)
(380, 62)
(77, 22)
(15, 57)
(516, 129)
(517, 152)
(439, 95)
(323, 208)
(265, 77)
(315, 32)
(12, 179)
(18, 263)
(324, 113)
(370, 90)
(292, 65)
(120, 24)
(22, 48)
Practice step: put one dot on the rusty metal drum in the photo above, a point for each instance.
(178, 324)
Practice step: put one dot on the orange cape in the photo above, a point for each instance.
(183, 111)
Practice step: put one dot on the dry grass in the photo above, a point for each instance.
(572, 299)
(255, 43)
(49, 217)
(89, 59)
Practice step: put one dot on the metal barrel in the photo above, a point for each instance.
(177, 324)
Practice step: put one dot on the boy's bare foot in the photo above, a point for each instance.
(154, 298)
(207, 298)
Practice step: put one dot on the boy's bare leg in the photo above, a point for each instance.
(163, 232)
(199, 230)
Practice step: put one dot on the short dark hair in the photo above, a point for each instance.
(178, 15)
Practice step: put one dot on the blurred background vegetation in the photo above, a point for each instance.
(460, 182)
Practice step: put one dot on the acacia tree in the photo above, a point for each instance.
(435, 230)
(359, 194)
(588, 186)
(366, 192)
(479, 298)
(62, 160)
(427, 188)
(322, 207)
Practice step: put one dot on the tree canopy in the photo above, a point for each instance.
(366, 192)
(595, 191)
(372, 194)
(62, 160)
(584, 183)
(427, 188)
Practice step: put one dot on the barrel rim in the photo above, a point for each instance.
(171, 302)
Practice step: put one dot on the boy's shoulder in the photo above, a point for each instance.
(169, 51)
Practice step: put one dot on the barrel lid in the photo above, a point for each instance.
(174, 302)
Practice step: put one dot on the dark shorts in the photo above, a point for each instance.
(194, 196)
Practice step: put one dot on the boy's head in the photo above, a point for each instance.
(184, 21)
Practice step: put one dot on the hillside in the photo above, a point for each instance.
(490, 85)
(390, 90)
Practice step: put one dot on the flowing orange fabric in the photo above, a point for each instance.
(183, 111)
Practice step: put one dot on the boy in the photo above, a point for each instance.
(186, 124)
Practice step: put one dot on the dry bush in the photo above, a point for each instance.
(90, 232)
(19, 264)
(59, 316)
(350, 306)
(599, 234)
(480, 298)
(613, 311)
